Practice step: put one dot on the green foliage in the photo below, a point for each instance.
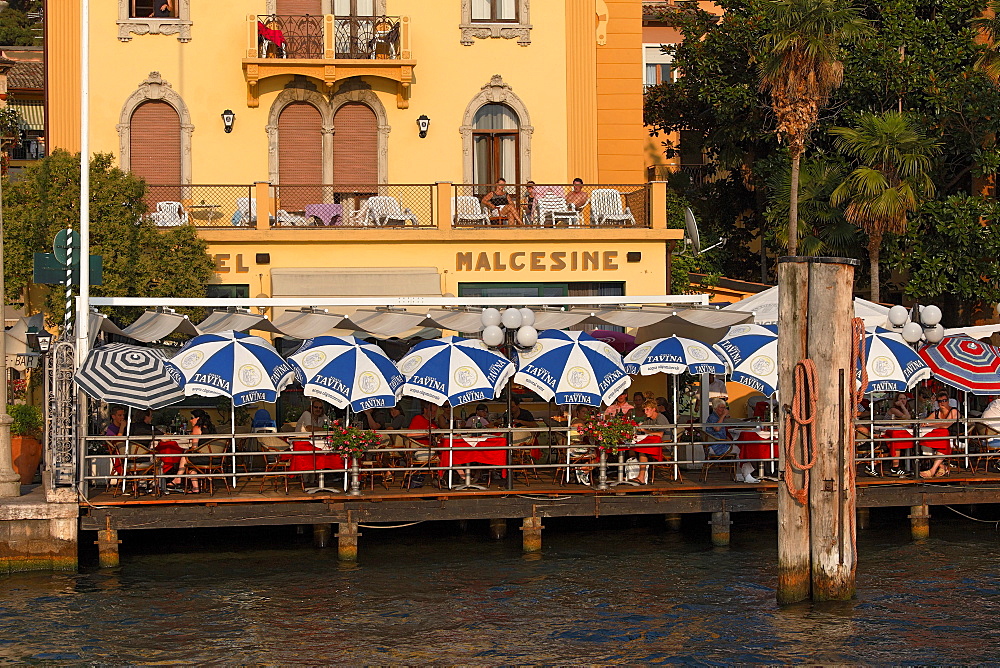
(139, 260)
(16, 27)
(27, 420)
(10, 125)
(951, 252)
(684, 262)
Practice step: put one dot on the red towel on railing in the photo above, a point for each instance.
(270, 34)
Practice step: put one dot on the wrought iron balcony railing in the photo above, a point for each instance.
(315, 37)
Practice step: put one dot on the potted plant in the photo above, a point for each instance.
(26, 449)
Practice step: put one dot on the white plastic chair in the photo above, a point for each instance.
(246, 211)
(468, 209)
(169, 214)
(606, 208)
(292, 219)
(356, 217)
(383, 209)
(553, 207)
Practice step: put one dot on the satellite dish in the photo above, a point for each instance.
(692, 229)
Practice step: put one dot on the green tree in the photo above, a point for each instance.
(951, 253)
(139, 259)
(892, 177)
(16, 29)
(800, 65)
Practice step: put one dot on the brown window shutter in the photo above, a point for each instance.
(355, 145)
(299, 7)
(300, 155)
(155, 150)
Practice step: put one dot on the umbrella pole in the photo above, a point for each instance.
(128, 424)
(965, 425)
(232, 424)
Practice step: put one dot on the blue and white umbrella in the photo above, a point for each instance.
(231, 364)
(572, 368)
(454, 369)
(892, 365)
(751, 353)
(674, 354)
(346, 370)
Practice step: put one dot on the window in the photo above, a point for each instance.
(154, 17)
(659, 66)
(489, 19)
(495, 145)
(494, 10)
(354, 8)
(512, 289)
(227, 291)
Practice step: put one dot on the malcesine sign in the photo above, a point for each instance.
(537, 261)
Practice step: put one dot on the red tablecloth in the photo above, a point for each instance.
(170, 454)
(646, 447)
(482, 452)
(314, 460)
(902, 439)
(943, 445)
(755, 446)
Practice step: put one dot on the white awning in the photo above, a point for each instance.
(221, 321)
(306, 324)
(705, 325)
(765, 308)
(153, 326)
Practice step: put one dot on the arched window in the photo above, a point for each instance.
(300, 155)
(355, 145)
(495, 144)
(155, 150)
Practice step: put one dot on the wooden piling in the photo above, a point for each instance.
(720, 528)
(531, 534)
(920, 522)
(321, 535)
(831, 481)
(107, 546)
(794, 580)
(347, 541)
(864, 518)
(673, 521)
(498, 528)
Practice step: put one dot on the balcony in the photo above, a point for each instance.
(399, 212)
(330, 49)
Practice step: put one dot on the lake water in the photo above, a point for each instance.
(614, 590)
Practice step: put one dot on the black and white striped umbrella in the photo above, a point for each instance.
(129, 375)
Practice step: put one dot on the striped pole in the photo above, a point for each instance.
(68, 314)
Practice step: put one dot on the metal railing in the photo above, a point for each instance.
(372, 206)
(325, 36)
(201, 205)
(367, 37)
(551, 205)
(303, 35)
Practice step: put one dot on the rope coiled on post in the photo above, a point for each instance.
(801, 414)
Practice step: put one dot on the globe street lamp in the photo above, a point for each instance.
(508, 331)
(927, 328)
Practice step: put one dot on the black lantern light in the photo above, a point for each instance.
(424, 124)
(228, 118)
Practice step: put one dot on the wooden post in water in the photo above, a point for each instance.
(794, 581)
(673, 521)
(531, 534)
(107, 545)
(347, 540)
(864, 518)
(720, 528)
(831, 482)
(498, 528)
(920, 522)
(321, 535)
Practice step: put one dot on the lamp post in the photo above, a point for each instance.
(10, 481)
(508, 331)
(927, 327)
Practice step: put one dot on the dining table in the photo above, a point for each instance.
(304, 456)
(757, 443)
(327, 214)
(487, 450)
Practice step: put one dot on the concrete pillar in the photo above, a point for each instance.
(720, 528)
(347, 541)
(107, 546)
(531, 534)
(673, 521)
(498, 528)
(864, 518)
(920, 522)
(321, 535)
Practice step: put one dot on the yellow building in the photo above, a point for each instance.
(308, 109)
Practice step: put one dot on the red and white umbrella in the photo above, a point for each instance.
(964, 363)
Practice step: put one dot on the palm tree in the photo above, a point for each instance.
(894, 161)
(988, 25)
(800, 67)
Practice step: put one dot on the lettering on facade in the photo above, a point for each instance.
(222, 264)
(537, 261)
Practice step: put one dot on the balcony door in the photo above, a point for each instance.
(300, 156)
(155, 150)
(494, 140)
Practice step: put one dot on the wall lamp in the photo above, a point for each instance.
(39, 340)
(228, 118)
(424, 124)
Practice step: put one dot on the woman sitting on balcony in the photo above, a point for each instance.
(499, 200)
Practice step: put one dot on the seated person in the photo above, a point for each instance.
(479, 419)
(621, 405)
(949, 415)
(654, 423)
(425, 422)
(576, 198)
(502, 203)
(142, 424)
(314, 419)
(720, 413)
(900, 410)
(990, 425)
